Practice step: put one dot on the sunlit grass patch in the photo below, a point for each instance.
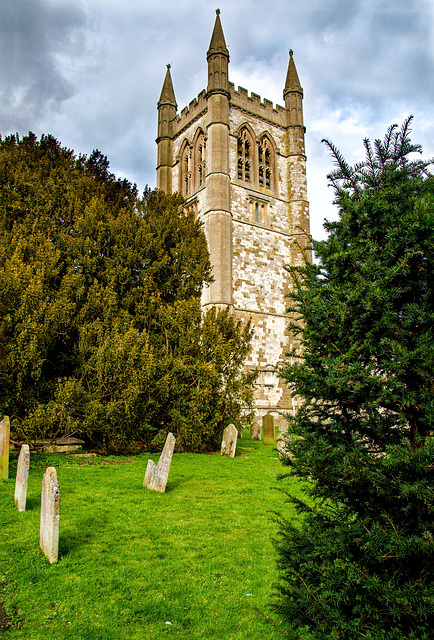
(199, 556)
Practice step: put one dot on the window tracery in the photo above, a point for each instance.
(265, 164)
(185, 170)
(255, 159)
(200, 159)
(244, 156)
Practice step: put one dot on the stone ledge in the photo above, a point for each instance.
(59, 445)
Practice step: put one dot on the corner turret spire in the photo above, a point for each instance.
(217, 44)
(292, 82)
(293, 94)
(167, 92)
(218, 60)
(166, 115)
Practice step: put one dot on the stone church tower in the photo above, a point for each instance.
(240, 164)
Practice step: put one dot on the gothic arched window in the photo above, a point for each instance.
(199, 159)
(245, 151)
(185, 170)
(258, 211)
(265, 163)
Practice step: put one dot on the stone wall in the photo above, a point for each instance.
(261, 249)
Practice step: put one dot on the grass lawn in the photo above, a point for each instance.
(131, 560)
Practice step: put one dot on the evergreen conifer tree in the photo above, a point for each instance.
(359, 563)
(101, 332)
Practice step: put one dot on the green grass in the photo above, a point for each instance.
(199, 556)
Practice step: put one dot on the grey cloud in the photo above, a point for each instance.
(32, 34)
(90, 72)
(378, 53)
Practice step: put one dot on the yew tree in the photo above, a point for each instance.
(101, 333)
(359, 561)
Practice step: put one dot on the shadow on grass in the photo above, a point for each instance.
(32, 504)
(72, 540)
(174, 484)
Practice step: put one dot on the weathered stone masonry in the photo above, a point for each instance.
(240, 163)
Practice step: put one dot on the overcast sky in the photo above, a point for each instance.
(90, 71)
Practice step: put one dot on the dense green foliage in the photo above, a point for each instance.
(361, 565)
(101, 333)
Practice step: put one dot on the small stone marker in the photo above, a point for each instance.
(4, 447)
(255, 431)
(20, 494)
(156, 475)
(50, 515)
(281, 438)
(281, 446)
(229, 441)
(268, 429)
(283, 426)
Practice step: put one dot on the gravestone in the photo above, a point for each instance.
(281, 445)
(229, 441)
(268, 431)
(255, 431)
(283, 426)
(4, 447)
(20, 494)
(156, 475)
(50, 515)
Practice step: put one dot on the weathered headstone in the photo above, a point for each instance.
(50, 515)
(283, 426)
(268, 429)
(156, 474)
(20, 494)
(4, 447)
(229, 441)
(281, 445)
(255, 431)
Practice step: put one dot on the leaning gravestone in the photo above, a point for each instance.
(255, 431)
(4, 447)
(22, 478)
(229, 441)
(269, 434)
(50, 515)
(156, 475)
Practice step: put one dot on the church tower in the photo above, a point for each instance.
(240, 164)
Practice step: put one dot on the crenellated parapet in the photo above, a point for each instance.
(191, 113)
(253, 104)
